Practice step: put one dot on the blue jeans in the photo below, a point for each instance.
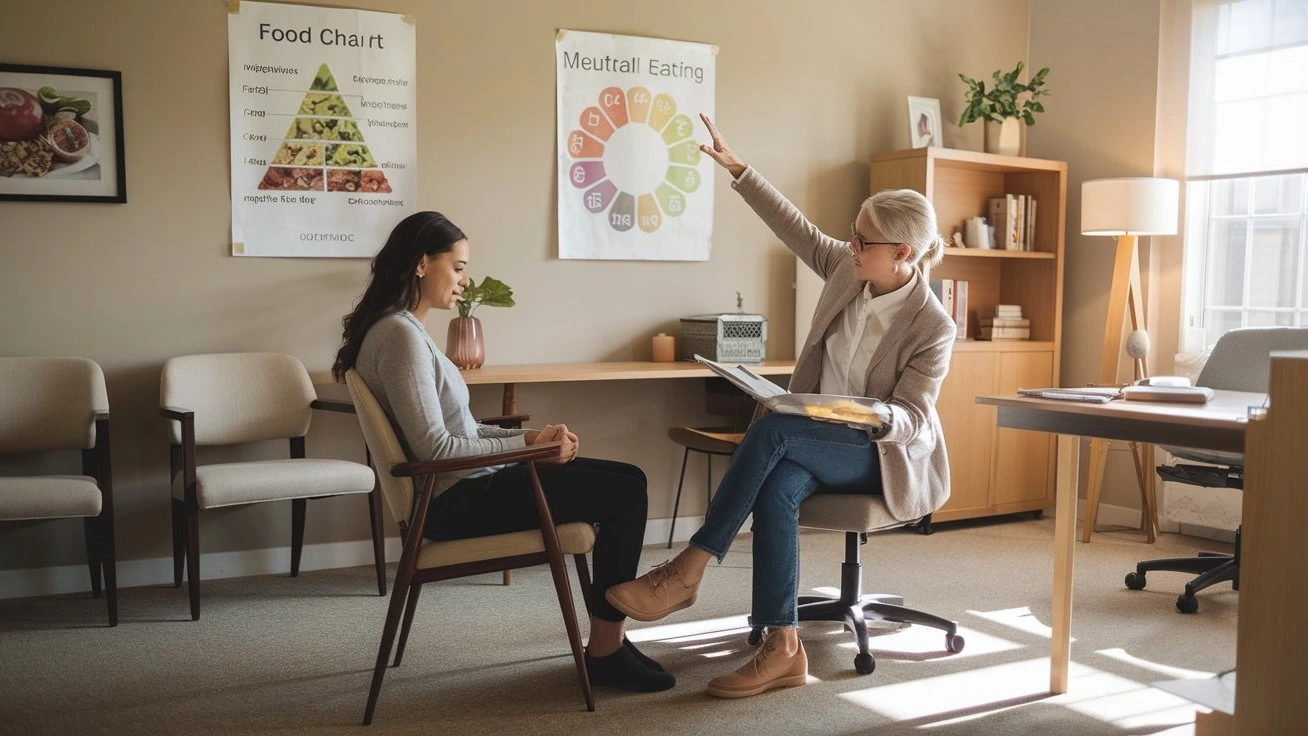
(781, 461)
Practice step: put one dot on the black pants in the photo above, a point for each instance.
(610, 495)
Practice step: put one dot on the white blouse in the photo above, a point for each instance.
(858, 332)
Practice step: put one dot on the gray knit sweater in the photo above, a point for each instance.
(425, 397)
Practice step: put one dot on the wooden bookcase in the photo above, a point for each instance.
(992, 470)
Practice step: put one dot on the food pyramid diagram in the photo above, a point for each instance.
(324, 150)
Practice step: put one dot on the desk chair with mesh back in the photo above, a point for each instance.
(858, 515)
(1240, 361)
(724, 400)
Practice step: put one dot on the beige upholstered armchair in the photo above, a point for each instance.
(52, 404)
(426, 561)
(236, 398)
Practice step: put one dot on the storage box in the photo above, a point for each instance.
(735, 337)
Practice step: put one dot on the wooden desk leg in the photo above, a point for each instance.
(1060, 642)
(509, 404)
(509, 407)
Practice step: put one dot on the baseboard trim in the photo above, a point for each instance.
(36, 581)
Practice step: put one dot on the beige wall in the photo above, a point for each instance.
(1117, 78)
(806, 91)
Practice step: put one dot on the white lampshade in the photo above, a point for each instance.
(1138, 205)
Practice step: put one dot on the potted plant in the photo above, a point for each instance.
(1002, 105)
(464, 344)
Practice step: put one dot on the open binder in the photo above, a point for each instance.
(857, 411)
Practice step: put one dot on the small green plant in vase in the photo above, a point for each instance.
(1004, 105)
(464, 344)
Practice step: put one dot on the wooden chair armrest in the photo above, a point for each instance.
(543, 451)
(176, 412)
(513, 421)
(343, 407)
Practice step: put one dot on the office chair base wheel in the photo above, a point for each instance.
(954, 643)
(755, 636)
(864, 664)
(1136, 581)
(1186, 603)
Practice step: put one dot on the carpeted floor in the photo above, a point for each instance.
(290, 656)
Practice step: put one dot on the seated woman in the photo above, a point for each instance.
(878, 333)
(424, 266)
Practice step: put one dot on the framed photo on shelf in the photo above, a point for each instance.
(61, 135)
(924, 122)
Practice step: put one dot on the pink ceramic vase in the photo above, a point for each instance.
(463, 345)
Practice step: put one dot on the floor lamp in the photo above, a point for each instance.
(1126, 207)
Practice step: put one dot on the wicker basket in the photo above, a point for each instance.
(735, 337)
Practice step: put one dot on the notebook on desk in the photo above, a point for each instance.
(1089, 395)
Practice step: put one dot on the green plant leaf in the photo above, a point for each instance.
(495, 293)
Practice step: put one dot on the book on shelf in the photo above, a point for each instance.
(1005, 333)
(1008, 310)
(952, 294)
(858, 411)
(1020, 234)
(1030, 222)
(1005, 322)
(1013, 217)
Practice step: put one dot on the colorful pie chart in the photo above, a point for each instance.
(634, 158)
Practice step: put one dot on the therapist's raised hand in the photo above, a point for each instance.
(719, 151)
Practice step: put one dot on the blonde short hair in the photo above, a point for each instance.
(905, 216)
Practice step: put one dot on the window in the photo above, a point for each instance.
(1246, 250)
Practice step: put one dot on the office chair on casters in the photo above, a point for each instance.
(1240, 361)
(857, 516)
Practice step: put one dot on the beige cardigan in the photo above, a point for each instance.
(906, 370)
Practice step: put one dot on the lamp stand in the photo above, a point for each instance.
(1124, 297)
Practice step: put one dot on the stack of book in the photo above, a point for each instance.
(1007, 324)
(1013, 217)
(952, 294)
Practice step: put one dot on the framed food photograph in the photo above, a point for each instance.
(61, 134)
(924, 122)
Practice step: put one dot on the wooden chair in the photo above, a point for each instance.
(724, 400)
(49, 405)
(425, 561)
(235, 398)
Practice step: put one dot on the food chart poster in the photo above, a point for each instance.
(323, 115)
(633, 184)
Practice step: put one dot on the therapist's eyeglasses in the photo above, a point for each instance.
(862, 243)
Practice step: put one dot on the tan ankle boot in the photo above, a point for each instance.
(655, 594)
(775, 665)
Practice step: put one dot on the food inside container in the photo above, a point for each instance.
(868, 413)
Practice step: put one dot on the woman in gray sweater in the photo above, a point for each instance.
(424, 266)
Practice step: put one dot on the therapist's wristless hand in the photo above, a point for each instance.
(720, 151)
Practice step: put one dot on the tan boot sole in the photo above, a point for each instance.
(718, 691)
(644, 616)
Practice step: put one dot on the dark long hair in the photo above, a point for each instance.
(394, 283)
